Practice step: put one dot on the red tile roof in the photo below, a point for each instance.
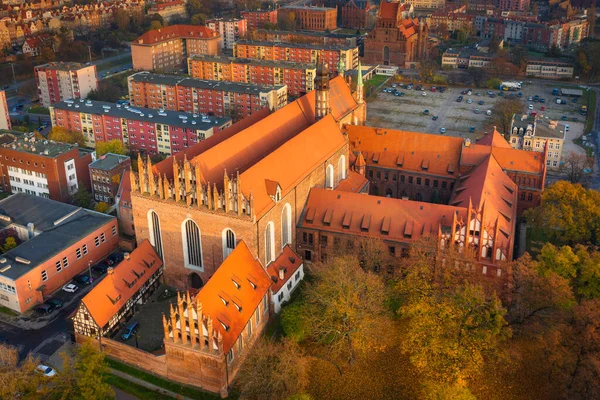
(494, 139)
(124, 192)
(388, 9)
(289, 261)
(242, 282)
(113, 292)
(354, 182)
(175, 31)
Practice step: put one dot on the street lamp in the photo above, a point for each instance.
(13, 71)
(90, 272)
(90, 52)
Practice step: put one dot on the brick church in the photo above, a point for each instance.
(398, 38)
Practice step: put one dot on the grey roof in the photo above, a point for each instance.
(28, 143)
(311, 33)
(171, 80)
(62, 66)
(571, 92)
(543, 129)
(269, 63)
(171, 118)
(109, 161)
(61, 226)
(297, 45)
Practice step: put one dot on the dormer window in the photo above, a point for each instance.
(224, 300)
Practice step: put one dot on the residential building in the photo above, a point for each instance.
(4, 114)
(123, 203)
(230, 29)
(450, 58)
(286, 272)
(398, 39)
(167, 49)
(298, 77)
(452, 18)
(43, 168)
(514, 5)
(354, 14)
(309, 18)
(256, 19)
(57, 81)
(140, 129)
(268, 35)
(105, 174)
(466, 58)
(107, 307)
(427, 4)
(169, 10)
(198, 96)
(334, 55)
(535, 133)
(550, 69)
(55, 242)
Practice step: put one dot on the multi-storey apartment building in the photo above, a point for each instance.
(514, 5)
(42, 168)
(220, 98)
(140, 129)
(105, 175)
(57, 81)
(309, 18)
(55, 242)
(550, 69)
(268, 35)
(169, 10)
(230, 29)
(298, 77)
(332, 54)
(167, 48)
(354, 14)
(4, 115)
(256, 19)
(535, 133)
(429, 4)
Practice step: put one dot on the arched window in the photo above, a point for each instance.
(228, 242)
(269, 243)
(342, 168)
(192, 245)
(249, 328)
(286, 225)
(155, 233)
(329, 177)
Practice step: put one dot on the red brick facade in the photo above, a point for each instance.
(309, 18)
(256, 19)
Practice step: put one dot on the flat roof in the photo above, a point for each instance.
(171, 118)
(109, 161)
(318, 46)
(58, 226)
(572, 92)
(28, 143)
(301, 7)
(268, 63)
(62, 66)
(313, 33)
(236, 87)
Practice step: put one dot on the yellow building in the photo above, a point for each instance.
(539, 134)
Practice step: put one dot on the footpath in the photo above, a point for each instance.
(148, 385)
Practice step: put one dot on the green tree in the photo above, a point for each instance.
(561, 260)
(155, 25)
(427, 68)
(199, 19)
(493, 83)
(82, 198)
(503, 112)
(102, 207)
(114, 146)
(9, 244)
(59, 134)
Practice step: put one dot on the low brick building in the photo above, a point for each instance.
(309, 18)
(56, 241)
(256, 19)
(169, 10)
(42, 167)
(550, 69)
(354, 14)
(105, 174)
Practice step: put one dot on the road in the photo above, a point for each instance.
(595, 184)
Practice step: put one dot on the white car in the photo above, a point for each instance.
(530, 107)
(566, 127)
(46, 370)
(442, 130)
(423, 94)
(469, 101)
(70, 288)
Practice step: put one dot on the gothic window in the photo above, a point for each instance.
(192, 245)
(228, 242)
(269, 243)
(329, 177)
(286, 225)
(155, 233)
(342, 168)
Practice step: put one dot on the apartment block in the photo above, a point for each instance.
(550, 69)
(140, 129)
(331, 54)
(105, 175)
(57, 81)
(256, 19)
(42, 168)
(4, 115)
(298, 77)
(230, 29)
(199, 96)
(166, 49)
(309, 18)
(428, 4)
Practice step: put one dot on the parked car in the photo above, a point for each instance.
(477, 111)
(554, 91)
(129, 330)
(481, 102)
(423, 93)
(478, 94)
(116, 257)
(46, 370)
(542, 108)
(558, 101)
(442, 130)
(563, 101)
(100, 268)
(566, 127)
(425, 112)
(542, 100)
(70, 288)
(564, 117)
(44, 309)
(488, 112)
(83, 279)
(536, 98)
(520, 94)
(472, 129)
(530, 107)
(530, 98)
(56, 303)
(490, 92)
(435, 117)
(394, 85)
(469, 101)
(469, 92)
(574, 100)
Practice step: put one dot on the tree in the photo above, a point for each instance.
(560, 260)
(591, 19)
(20, 381)
(426, 69)
(503, 112)
(102, 207)
(273, 370)
(554, 51)
(568, 213)
(478, 75)
(9, 244)
(122, 20)
(199, 19)
(519, 57)
(159, 18)
(575, 166)
(48, 54)
(155, 25)
(114, 146)
(493, 83)
(60, 134)
(82, 198)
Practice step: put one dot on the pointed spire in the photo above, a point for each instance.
(165, 327)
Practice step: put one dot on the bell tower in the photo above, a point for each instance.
(322, 88)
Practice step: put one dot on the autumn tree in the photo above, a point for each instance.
(102, 207)
(503, 112)
(575, 166)
(273, 370)
(9, 244)
(568, 213)
(114, 146)
(122, 20)
(478, 75)
(155, 25)
(60, 134)
(20, 380)
(427, 69)
(82, 197)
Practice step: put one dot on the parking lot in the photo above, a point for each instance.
(467, 118)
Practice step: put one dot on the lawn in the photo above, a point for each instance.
(138, 391)
(8, 311)
(372, 84)
(163, 383)
(589, 97)
(38, 110)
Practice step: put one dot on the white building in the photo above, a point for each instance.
(231, 29)
(286, 272)
(59, 81)
(4, 116)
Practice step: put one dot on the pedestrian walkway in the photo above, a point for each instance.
(148, 385)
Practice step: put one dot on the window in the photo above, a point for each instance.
(530, 197)
(97, 241)
(289, 285)
(240, 344)
(84, 249)
(29, 282)
(230, 356)
(155, 233)
(65, 262)
(329, 177)
(370, 174)
(78, 252)
(249, 328)
(257, 315)
(378, 175)
(286, 225)
(410, 179)
(418, 181)
(265, 304)
(228, 242)
(102, 237)
(44, 276)
(297, 276)
(402, 178)
(323, 240)
(342, 168)
(114, 230)
(444, 184)
(269, 243)
(58, 266)
(280, 297)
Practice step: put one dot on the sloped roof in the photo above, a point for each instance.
(374, 216)
(124, 191)
(113, 292)
(175, 31)
(509, 159)
(354, 182)
(253, 284)
(495, 139)
(289, 261)
(389, 9)
(408, 150)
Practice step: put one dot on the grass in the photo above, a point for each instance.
(588, 150)
(163, 383)
(590, 98)
(6, 310)
(38, 110)
(138, 391)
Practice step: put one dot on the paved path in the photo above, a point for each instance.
(148, 385)
(121, 395)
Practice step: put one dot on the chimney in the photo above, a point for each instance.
(126, 256)
(110, 270)
(30, 230)
(281, 273)
(467, 142)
